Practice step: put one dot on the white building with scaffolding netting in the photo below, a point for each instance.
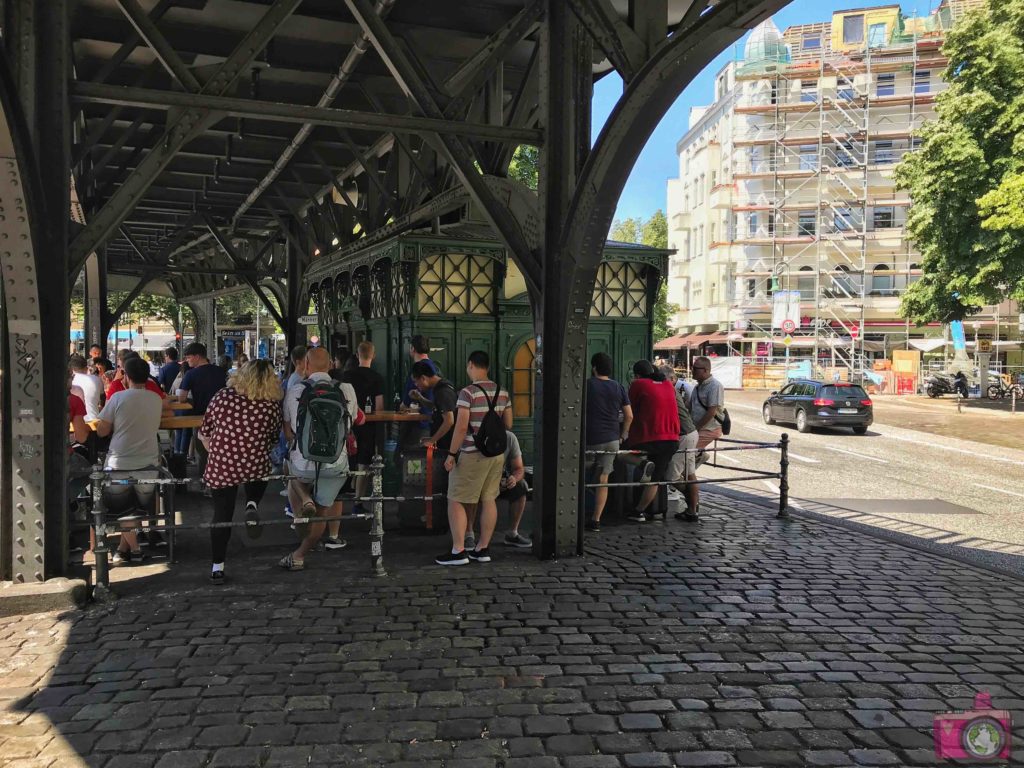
(786, 189)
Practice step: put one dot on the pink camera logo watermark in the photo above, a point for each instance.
(979, 734)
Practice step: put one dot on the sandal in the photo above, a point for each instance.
(291, 564)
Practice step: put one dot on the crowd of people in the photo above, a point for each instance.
(314, 422)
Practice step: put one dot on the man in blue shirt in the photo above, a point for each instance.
(419, 351)
(202, 381)
(169, 371)
(608, 418)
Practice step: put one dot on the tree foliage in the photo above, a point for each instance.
(525, 166)
(654, 233)
(967, 180)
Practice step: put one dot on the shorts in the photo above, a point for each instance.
(705, 438)
(128, 500)
(516, 492)
(327, 487)
(475, 477)
(684, 464)
(661, 453)
(605, 463)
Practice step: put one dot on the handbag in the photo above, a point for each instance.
(722, 416)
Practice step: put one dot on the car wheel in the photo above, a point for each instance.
(766, 414)
(801, 422)
(862, 430)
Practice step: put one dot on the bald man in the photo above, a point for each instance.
(315, 494)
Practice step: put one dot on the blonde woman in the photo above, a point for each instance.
(241, 426)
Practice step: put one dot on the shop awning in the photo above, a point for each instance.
(928, 345)
(672, 343)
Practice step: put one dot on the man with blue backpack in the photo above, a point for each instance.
(319, 414)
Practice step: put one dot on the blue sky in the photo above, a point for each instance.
(645, 191)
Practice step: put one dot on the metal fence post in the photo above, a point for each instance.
(377, 526)
(784, 476)
(100, 550)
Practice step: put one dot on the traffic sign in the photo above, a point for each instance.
(787, 340)
(788, 326)
(854, 331)
(309, 320)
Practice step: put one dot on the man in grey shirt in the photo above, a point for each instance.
(131, 417)
(706, 404)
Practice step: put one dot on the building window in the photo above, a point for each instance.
(619, 291)
(922, 81)
(808, 157)
(881, 281)
(807, 224)
(751, 223)
(844, 155)
(805, 284)
(811, 43)
(914, 278)
(884, 218)
(886, 85)
(853, 29)
(456, 284)
(844, 88)
(884, 153)
(916, 143)
(876, 35)
(842, 220)
(523, 380)
(809, 92)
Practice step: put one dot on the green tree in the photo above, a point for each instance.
(966, 182)
(525, 166)
(652, 232)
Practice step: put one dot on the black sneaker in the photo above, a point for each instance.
(593, 525)
(637, 517)
(688, 516)
(452, 559)
(480, 555)
(216, 577)
(331, 543)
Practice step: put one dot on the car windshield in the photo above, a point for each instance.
(850, 392)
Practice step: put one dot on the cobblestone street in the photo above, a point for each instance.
(741, 641)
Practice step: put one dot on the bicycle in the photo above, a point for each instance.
(998, 391)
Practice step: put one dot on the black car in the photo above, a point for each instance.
(820, 404)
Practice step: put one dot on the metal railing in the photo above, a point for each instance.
(101, 479)
(782, 446)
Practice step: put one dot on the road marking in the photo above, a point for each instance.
(1000, 490)
(854, 453)
(771, 486)
(761, 429)
(798, 457)
(721, 456)
(742, 407)
(979, 454)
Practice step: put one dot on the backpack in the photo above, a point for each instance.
(323, 423)
(722, 417)
(490, 438)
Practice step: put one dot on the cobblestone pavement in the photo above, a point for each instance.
(741, 641)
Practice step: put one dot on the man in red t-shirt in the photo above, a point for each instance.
(655, 429)
(117, 385)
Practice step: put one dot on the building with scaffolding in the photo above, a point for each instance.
(785, 206)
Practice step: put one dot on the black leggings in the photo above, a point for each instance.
(224, 511)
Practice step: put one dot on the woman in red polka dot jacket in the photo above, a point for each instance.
(242, 424)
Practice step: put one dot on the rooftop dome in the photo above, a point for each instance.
(765, 44)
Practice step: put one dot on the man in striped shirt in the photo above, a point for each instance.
(473, 476)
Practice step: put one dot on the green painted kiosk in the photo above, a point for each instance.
(457, 286)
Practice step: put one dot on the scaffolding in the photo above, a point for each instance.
(813, 205)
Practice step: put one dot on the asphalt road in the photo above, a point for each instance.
(934, 488)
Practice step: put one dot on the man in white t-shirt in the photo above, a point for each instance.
(315, 494)
(89, 384)
(132, 418)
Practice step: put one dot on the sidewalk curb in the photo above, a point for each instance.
(51, 595)
(953, 552)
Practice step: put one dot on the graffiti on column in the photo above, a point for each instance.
(28, 363)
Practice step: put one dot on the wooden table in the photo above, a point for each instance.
(181, 422)
(179, 406)
(395, 416)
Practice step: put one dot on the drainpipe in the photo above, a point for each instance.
(359, 49)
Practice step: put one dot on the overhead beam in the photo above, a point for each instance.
(623, 47)
(331, 117)
(165, 54)
(190, 124)
(136, 247)
(405, 72)
(225, 244)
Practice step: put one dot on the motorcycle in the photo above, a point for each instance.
(939, 384)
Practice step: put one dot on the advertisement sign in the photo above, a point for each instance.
(785, 306)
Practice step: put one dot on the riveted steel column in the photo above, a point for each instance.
(561, 311)
(298, 261)
(35, 287)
